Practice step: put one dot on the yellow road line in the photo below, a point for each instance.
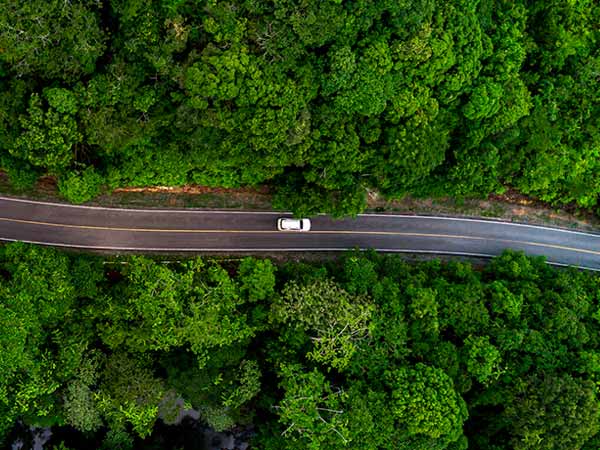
(371, 233)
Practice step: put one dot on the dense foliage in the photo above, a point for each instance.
(322, 99)
(367, 352)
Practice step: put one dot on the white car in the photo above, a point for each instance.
(287, 224)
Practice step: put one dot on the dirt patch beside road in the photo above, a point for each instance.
(510, 207)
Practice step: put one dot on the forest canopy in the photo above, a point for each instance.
(320, 99)
(367, 352)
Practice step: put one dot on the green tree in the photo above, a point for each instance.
(483, 359)
(37, 295)
(334, 321)
(51, 39)
(80, 405)
(145, 312)
(129, 393)
(49, 131)
(427, 407)
(552, 412)
(312, 410)
(81, 187)
(222, 391)
(257, 278)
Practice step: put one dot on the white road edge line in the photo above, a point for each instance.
(324, 249)
(466, 219)
(147, 210)
(275, 213)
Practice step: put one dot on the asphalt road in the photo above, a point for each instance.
(227, 231)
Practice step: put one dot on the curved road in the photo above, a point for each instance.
(237, 231)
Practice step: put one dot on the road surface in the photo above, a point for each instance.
(237, 231)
